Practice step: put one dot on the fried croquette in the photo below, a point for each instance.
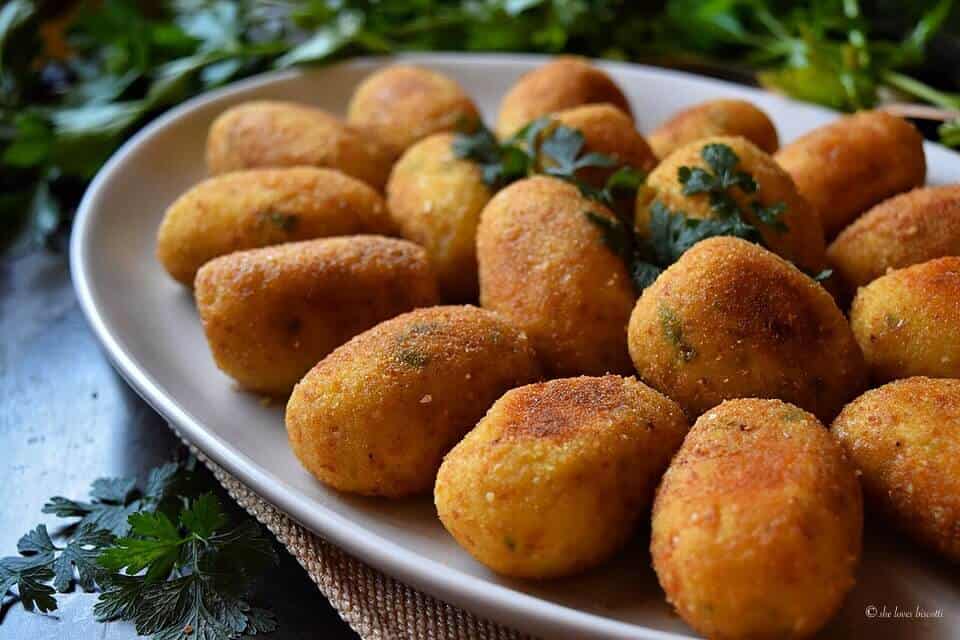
(733, 320)
(554, 478)
(544, 266)
(851, 164)
(757, 524)
(285, 134)
(723, 117)
(908, 321)
(609, 131)
(908, 229)
(376, 416)
(797, 235)
(563, 83)
(435, 199)
(261, 207)
(271, 314)
(904, 437)
(402, 104)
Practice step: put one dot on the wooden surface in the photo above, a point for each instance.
(66, 418)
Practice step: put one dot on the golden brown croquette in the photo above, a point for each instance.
(544, 266)
(757, 524)
(435, 199)
(733, 320)
(851, 164)
(554, 478)
(908, 229)
(908, 321)
(563, 83)
(402, 104)
(261, 207)
(799, 240)
(721, 117)
(285, 134)
(904, 438)
(377, 415)
(608, 130)
(271, 314)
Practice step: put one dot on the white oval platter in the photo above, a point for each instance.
(149, 328)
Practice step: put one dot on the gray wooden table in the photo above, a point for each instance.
(66, 418)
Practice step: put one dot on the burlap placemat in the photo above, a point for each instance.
(375, 605)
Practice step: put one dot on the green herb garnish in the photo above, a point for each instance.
(63, 113)
(169, 561)
(673, 232)
(542, 147)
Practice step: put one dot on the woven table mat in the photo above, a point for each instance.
(375, 605)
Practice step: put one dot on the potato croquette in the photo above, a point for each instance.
(285, 134)
(271, 314)
(905, 439)
(802, 240)
(757, 525)
(608, 130)
(846, 167)
(905, 230)
(908, 321)
(564, 83)
(402, 104)
(732, 118)
(544, 266)
(261, 207)
(377, 415)
(435, 199)
(554, 478)
(733, 320)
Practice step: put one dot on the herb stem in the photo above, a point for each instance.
(922, 90)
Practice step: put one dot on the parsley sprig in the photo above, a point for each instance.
(543, 147)
(68, 99)
(673, 232)
(548, 148)
(165, 556)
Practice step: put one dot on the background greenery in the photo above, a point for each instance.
(76, 79)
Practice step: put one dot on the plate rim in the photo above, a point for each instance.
(486, 599)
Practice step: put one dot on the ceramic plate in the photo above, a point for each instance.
(149, 327)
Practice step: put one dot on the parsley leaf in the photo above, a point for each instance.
(195, 575)
(561, 154)
(113, 500)
(544, 147)
(180, 570)
(80, 554)
(673, 232)
(41, 561)
(723, 161)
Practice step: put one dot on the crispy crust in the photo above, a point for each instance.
(553, 479)
(285, 134)
(907, 229)
(402, 104)
(271, 314)
(802, 242)
(757, 524)
(732, 320)
(724, 117)
(544, 266)
(851, 164)
(260, 207)
(908, 321)
(377, 415)
(608, 130)
(904, 437)
(436, 199)
(563, 83)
